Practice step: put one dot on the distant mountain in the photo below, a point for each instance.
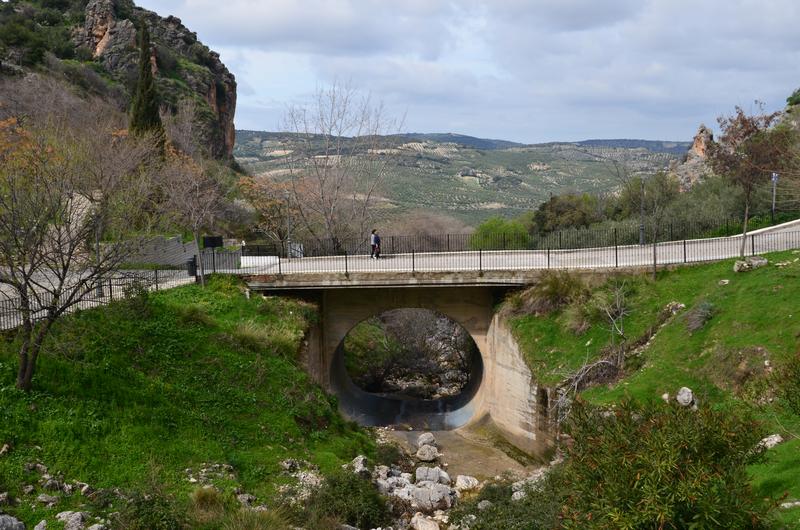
(656, 146)
(460, 139)
(471, 178)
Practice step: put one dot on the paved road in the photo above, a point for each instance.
(782, 237)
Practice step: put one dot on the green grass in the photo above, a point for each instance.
(756, 318)
(137, 392)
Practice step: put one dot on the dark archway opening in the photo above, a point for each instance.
(411, 367)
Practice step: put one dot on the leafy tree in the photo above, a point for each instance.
(145, 117)
(570, 210)
(749, 149)
(498, 233)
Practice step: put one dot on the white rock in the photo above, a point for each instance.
(426, 438)
(41, 526)
(518, 495)
(359, 466)
(72, 520)
(49, 500)
(665, 396)
(685, 397)
(10, 523)
(433, 474)
(770, 441)
(466, 483)
(789, 505)
(427, 453)
(724, 282)
(484, 505)
(432, 497)
(420, 522)
(381, 472)
(97, 527)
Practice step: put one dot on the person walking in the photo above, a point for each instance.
(375, 244)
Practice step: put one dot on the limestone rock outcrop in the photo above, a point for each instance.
(694, 167)
(185, 68)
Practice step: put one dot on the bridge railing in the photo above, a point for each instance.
(480, 260)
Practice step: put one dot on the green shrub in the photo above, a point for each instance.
(788, 378)
(661, 466)
(251, 520)
(153, 510)
(497, 233)
(794, 99)
(553, 291)
(699, 316)
(347, 499)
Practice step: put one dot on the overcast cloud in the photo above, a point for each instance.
(524, 70)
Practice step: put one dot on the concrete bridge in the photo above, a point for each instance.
(501, 386)
(466, 287)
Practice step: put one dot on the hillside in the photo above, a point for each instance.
(93, 45)
(138, 398)
(735, 343)
(472, 179)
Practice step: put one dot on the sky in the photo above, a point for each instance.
(523, 70)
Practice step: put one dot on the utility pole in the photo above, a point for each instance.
(774, 186)
(288, 225)
(641, 214)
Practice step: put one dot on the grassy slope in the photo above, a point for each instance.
(757, 317)
(198, 376)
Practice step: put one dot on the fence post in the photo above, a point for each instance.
(559, 240)
(448, 242)
(413, 261)
(616, 250)
(480, 260)
(504, 241)
(111, 288)
(214, 260)
(156, 275)
(280, 271)
(753, 244)
(346, 267)
(684, 251)
(548, 257)
(391, 240)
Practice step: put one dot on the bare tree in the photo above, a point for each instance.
(340, 164)
(193, 196)
(52, 198)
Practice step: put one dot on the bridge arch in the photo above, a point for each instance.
(507, 392)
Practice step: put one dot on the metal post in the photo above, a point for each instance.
(280, 272)
(413, 261)
(214, 260)
(548, 257)
(616, 249)
(684, 251)
(346, 267)
(753, 244)
(559, 240)
(110, 289)
(156, 275)
(774, 185)
(480, 260)
(448, 242)
(641, 215)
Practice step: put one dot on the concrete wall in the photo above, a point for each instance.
(507, 392)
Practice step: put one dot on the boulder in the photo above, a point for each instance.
(41, 526)
(770, 441)
(97, 526)
(49, 500)
(466, 483)
(10, 523)
(484, 505)
(426, 438)
(359, 466)
(432, 474)
(246, 499)
(685, 397)
(432, 497)
(518, 495)
(427, 453)
(790, 505)
(5, 449)
(420, 522)
(72, 520)
(5, 499)
(749, 263)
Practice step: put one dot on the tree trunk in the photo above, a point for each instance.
(744, 229)
(200, 265)
(29, 353)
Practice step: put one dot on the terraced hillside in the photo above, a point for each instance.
(472, 178)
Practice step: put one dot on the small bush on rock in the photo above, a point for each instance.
(699, 316)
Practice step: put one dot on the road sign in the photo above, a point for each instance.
(774, 177)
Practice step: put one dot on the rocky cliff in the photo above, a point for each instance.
(693, 168)
(186, 69)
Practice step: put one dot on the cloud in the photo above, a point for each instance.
(527, 70)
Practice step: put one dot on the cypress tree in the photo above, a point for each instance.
(145, 117)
